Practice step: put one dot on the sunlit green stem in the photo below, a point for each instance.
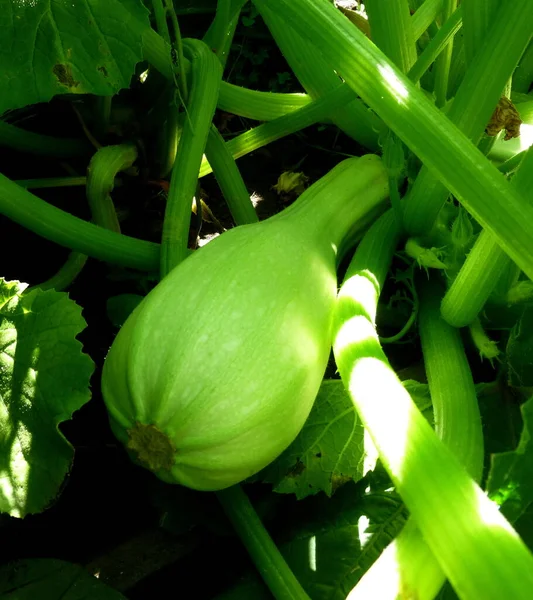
(424, 16)
(473, 104)
(478, 15)
(436, 46)
(266, 556)
(485, 264)
(455, 405)
(479, 186)
(442, 65)
(475, 546)
(318, 78)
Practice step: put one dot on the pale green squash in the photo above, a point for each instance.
(215, 372)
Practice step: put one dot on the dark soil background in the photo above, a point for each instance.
(109, 508)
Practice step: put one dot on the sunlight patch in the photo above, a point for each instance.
(397, 87)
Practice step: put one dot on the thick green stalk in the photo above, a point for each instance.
(264, 553)
(475, 546)
(478, 15)
(455, 405)
(473, 104)
(229, 179)
(261, 106)
(219, 36)
(37, 143)
(180, 76)
(483, 191)
(66, 275)
(458, 66)
(160, 14)
(424, 16)
(442, 65)
(101, 173)
(436, 46)
(52, 182)
(64, 229)
(318, 78)
(264, 134)
(392, 31)
(203, 93)
(485, 264)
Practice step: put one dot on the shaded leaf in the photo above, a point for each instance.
(50, 579)
(44, 378)
(332, 551)
(51, 47)
(331, 542)
(328, 451)
(510, 481)
(520, 351)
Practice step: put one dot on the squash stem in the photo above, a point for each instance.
(265, 554)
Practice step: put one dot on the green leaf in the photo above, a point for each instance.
(51, 47)
(328, 451)
(50, 579)
(330, 553)
(329, 543)
(510, 481)
(520, 351)
(44, 378)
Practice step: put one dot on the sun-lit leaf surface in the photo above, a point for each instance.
(510, 481)
(49, 579)
(328, 451)
(50, 47)
(44, 378)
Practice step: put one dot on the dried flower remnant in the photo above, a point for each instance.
(290, 185)
(505, 116)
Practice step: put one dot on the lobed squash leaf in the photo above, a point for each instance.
(331, 448)
(44, 378)
(51, 47)
(328, 451)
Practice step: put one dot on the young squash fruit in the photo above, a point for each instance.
(215, 372)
